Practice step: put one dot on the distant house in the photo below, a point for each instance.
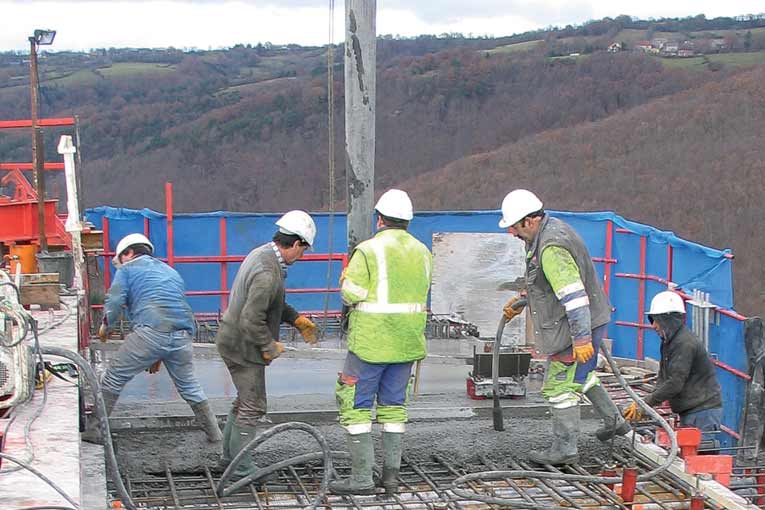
(685, 53)
(615, 47)
(659, 42)
(643, 46)
(717, 44)
(670, 48)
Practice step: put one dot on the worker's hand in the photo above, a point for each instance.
(584, 350)
(273, 351)
(103, 333)
(633, 412)
(306, 328)
(154, 368)
(509, 311)
(342, 275)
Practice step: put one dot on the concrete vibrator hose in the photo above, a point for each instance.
(503, 474)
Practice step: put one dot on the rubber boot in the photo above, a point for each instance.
(362, 460)
(392, 443)
(241, 435)
(92, 433)
(206, 418)
(565, 433)
(613, 422)
(227, 438)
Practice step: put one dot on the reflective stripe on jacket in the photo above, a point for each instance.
(387, 282)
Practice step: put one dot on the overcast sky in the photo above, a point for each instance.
(204, 24)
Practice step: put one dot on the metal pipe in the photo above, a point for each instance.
(629, 480)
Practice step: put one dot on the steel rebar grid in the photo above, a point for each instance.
(423, 485)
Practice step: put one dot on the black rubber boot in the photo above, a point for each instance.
(565, 434)
(392, 443)
(613, 423)
(362, 460)
(207, 420)
(92, 432)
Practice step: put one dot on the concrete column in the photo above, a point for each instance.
(360, 89)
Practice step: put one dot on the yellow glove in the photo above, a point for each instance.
(273, 352)
(103, 334)
(342, 275)
(154, 368)
(306, 328)
(583, 353)
(509, 311)
(633, 412)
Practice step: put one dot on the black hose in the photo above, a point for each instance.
(278, 429)
(103, 419)
(41, 477)
(499, 475)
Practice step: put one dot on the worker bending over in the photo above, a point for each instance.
(151, 295)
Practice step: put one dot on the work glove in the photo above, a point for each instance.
(154, 368)
(103, 333)
(583, 350)
(509, 311)
(306, 328)
(342, 275)
(273, 351)
(633, 412)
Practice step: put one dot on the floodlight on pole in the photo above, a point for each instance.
(43, 37)
(38, 38)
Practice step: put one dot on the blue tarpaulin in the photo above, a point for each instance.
(692, 266)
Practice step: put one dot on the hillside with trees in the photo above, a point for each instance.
(693, 163)
(606, 115)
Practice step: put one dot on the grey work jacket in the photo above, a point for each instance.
(551, 329)
(256, 309)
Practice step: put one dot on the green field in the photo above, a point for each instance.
(514, 48)
(128, 68)
(699, 63)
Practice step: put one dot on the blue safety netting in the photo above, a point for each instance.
(693, 266)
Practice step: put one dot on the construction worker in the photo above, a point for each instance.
(248, 338)
(386, 285)
(686, 374)
(151, 295)
(569, 313)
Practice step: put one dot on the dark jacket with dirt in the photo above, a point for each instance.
(686, 374)
(256, 309)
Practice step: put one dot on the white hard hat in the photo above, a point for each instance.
(128, 241)
(298, 223)
(517, 205)
(666, 302)
(395, 203)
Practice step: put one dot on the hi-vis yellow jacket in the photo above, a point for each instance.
(386, 283)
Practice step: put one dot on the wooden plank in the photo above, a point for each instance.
(44, 294)
(35, 278)
(92, 240)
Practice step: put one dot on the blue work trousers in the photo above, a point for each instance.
(707, 421)
(143, 347)
(385, 382)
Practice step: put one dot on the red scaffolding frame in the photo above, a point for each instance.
(223, 259)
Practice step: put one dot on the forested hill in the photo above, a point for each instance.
(620, 114)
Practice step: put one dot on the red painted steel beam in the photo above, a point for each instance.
(734, 371)
(107, 255)
(306, 290)
(735, 435)
(169, 222)
(223, 266)
(670, 256)
(633, 325)
(217, 259)
(27, 123)
(641, 296)
(28, 166)
(609, 255)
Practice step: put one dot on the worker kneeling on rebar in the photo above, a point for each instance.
(686, 374)
(151, 294)
(569, 312)
(386, 285)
